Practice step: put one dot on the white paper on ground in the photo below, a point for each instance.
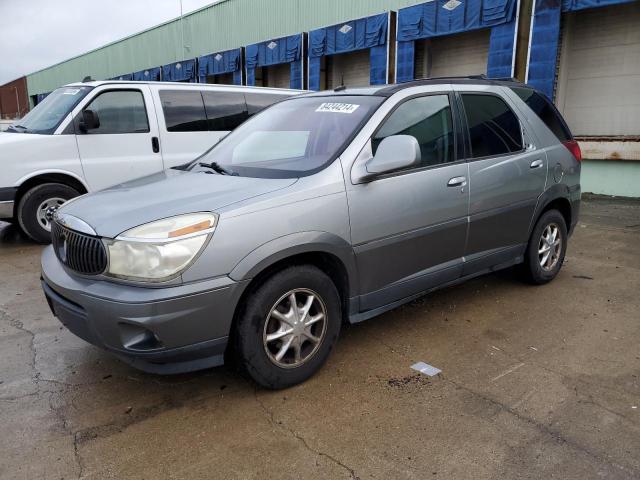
(426, 369)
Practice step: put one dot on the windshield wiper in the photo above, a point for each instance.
(16, 127)
(216, 167)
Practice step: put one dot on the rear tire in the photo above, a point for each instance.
(546, 249)
(278, 345)
(36, 207)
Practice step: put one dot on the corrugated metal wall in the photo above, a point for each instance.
(225, 25)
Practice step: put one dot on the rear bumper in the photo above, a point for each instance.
(158, 330)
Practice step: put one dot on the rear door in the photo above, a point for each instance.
(507, 174)
(125, 144)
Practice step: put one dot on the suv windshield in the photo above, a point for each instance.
(293, 138)
(48, 114)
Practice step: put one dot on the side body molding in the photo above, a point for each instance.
(286, 246)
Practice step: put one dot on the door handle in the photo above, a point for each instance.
(155, 144)
(536, 164)
(457, 182)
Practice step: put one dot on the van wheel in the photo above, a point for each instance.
(37, 206)
(288, 327)
(546, 249)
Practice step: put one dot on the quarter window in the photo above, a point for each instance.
(546, 111)
(120, 111)
(493, 128)
(225, 110)
(183, 111)
(428, 120)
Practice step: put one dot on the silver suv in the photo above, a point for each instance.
(324, 208)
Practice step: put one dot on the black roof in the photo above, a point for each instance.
(388, 90)
(469, 80)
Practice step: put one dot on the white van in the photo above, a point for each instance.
(88, 136)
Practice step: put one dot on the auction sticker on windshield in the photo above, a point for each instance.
(337, 107)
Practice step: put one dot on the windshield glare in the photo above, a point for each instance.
(293, 138)
(47, 115)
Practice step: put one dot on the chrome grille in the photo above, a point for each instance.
(83, 253)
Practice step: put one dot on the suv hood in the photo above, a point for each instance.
(166, 194)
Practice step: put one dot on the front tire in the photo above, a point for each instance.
(37, 206)
(547, 247)
(288, 327)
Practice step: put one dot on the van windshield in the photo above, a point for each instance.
(48, 114)
(293, 138)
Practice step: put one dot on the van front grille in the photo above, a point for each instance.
(82, 253)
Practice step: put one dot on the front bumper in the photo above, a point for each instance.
(159, 330)
(7, 202)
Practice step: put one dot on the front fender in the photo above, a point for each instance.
(294, 244)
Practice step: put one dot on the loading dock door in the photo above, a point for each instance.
(353, 68)
(599, 76)
(453, 55)
(277, 76)
(222, 79)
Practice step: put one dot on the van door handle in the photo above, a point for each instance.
(155, 144)
(536, 164)
(457, 182)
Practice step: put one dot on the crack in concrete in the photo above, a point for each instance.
(270, 416)
(555, 435)
(35, 378)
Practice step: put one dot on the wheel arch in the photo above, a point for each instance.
(558, 198)
(52, 176)
(328, 252)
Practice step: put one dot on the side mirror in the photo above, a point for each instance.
(394, 153)
(90, 121)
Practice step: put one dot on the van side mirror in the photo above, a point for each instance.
(90, 121)
(394, 153)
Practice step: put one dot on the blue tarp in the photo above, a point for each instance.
(274, 52)
(545, 38)
(572, 5)
(41, 96)
(368, 32)
(447, 17)
(184, 71)
(148, 75)
(220, 63)
(126, 77)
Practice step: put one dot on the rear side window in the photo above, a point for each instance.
(428, 120)
(493, 127)
(225, 110)
(119, 111)
(546, 111)
(183, 111)
(259, 101)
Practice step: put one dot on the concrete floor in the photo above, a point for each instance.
(537, 382)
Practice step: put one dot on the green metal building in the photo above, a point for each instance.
(591, 66)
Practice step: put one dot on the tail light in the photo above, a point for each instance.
(574, 148)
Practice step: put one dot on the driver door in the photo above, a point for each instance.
(409, 227)
(125, 145)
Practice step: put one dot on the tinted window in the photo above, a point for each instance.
(258, 101)
(225, 110)
(493, 128)
(428, 119)
(546, 111)
(120, 111)
(183, 111)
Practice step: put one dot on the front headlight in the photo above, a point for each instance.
(159, 250)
